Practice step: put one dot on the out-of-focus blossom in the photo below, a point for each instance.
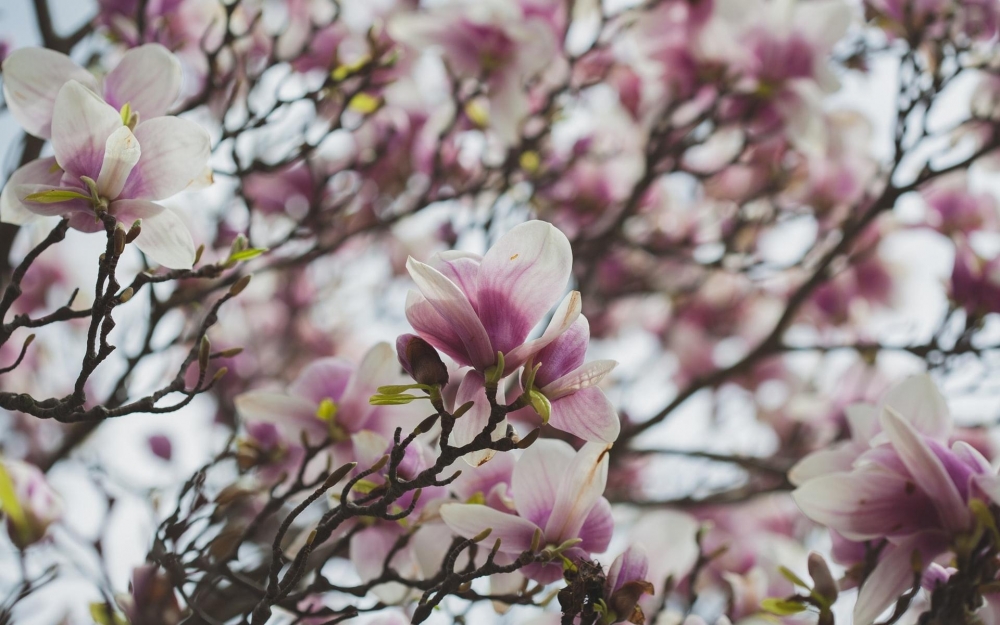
(151, 598)
(954, 210)
(495, 40)
(27, 502)
(975, 282)
(897, 481)
(557, 494)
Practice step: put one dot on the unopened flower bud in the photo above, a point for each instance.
(823, 580)
(119, 239)
(240, 284)
(421, 360)
(134, 231)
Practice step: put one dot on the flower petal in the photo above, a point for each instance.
(377, 368)
(927, 470)
(81, 125)
(586, 414)
(597, 528)
(918, 400)
(174, 154)
(894, 574)
(462, 268)
(435, 329)
(290, 414)
(468, 520)
(148, 78)
(564, 354)
(321, 379)
(579, 490)
(452, 304)
(32, 78)
(630, 566)
(121, 153)
(536, 478)
(823, 462)
(583, 377)
(866, 504)
(562, 320)
(368, 551)
(164, 236)
(472, 423)
(42, 171)
(520, 279)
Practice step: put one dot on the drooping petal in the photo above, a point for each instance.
(164, 236)
(81, 125)
(586, 414)
(585, 376)
(919, 402)
(863, 422)
(894, 574)
(520, 279)
(468, 520)
(121, 153)
(866, 504)
(42, 171)
(579, 490)
(472, 423)
(452, 304)
(321, 379)
(564, 354)
(32, 78)
(174, 154)
(670, 535)
(148, 78)
(927, 469)
(567, 313)
(536, 478)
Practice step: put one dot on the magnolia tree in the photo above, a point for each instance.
(562, 312)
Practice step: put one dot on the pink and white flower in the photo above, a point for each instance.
(558, 493)
(473, 307)
(104, 163)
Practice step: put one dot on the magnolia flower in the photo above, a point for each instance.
(148, 79)
(28, 502)
(473, 307)
(105, 162)
(328, 398)
(575, 403)
(557, 494)
(625, 584)
(975, 282)
(494, 39)
(896, 480)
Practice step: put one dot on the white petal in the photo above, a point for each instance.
(81, 125)
(579, 490)
(164, 237)
(174, 154)
(536, 478)
(42, 171)
(32, 78)
(148, 78)
(919, 402)
(121, 153)
(468, 520)
(562, 320)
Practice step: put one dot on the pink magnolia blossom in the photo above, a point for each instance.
(328, 398)
(578, 405)
(896, 480)
(975, 282)
(147, 78)
(35, 506)
(499, 40)
(102, 164)
(472, 307)
(556, 492)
